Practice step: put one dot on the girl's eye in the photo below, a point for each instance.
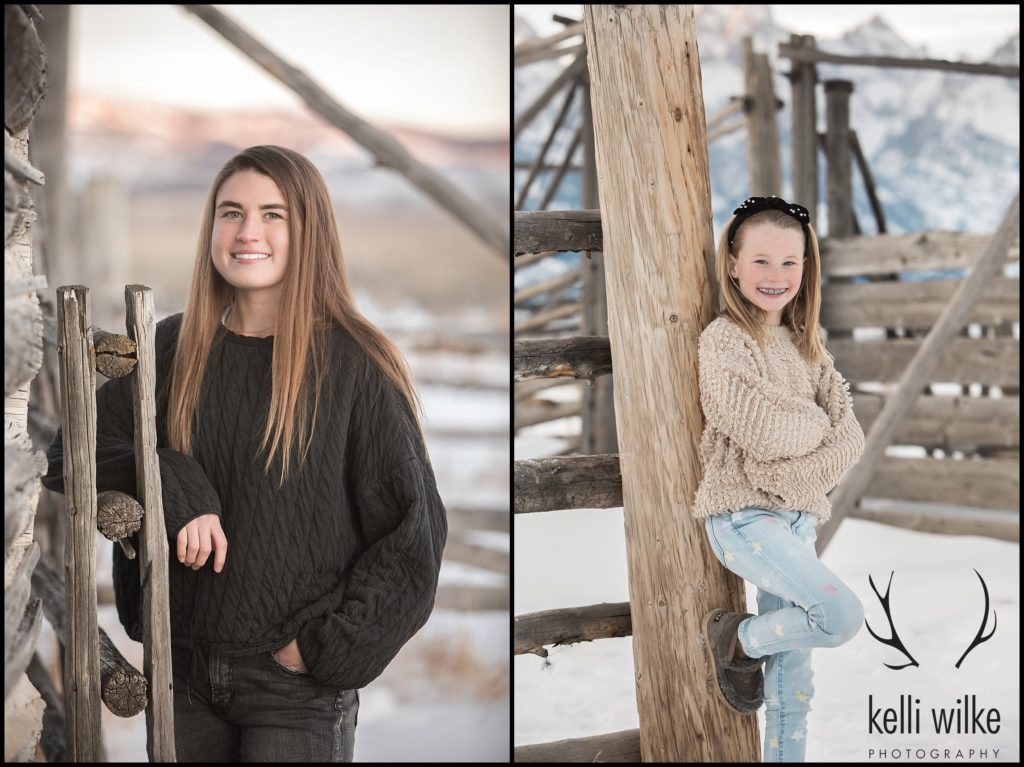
(762, 261)
(269, 213)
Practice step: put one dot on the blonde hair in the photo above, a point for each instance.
(801, 313)
(315, 297)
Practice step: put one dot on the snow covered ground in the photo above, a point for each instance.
(578, 557)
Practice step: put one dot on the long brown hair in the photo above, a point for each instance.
(315, 296)
(800, 314)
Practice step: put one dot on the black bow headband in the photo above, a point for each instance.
(753, 205)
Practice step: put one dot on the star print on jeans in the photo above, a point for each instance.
(830, 589)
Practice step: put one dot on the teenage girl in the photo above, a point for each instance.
(302, 515)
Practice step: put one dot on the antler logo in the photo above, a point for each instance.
(896, 642)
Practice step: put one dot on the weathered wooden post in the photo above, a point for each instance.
(597, 436)
(78, 412)
(141, 324)
(655, 192)
(762, 131)
(803, 78)
(838, 183)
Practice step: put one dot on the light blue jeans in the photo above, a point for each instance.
(801, 604)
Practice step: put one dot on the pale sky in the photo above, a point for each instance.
(441, 67)
(955, 32)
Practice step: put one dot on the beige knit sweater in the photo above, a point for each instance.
(780, 433)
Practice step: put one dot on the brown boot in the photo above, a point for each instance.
(740, 683)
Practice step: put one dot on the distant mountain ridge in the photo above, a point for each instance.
(943, 148)
(156, 146)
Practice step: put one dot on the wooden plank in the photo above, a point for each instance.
(472, 598)
(950, 423)
(539, 160)
(578, 482)
(475, 555)
(869, 182)
(914, 252)
(652, 157)
(545, 43)
(913, 304)
(153, 556)
(78, 412)
(556, 230)
(543, 318)
(941, 519)
(567, 75)
(920, 370)
(461, 518)
(550, 628)
(992, 361)
(556, 180)
(804, 55)
(621, 746)
(575, 357)
(533, 413)
(984, 484)
(551, 53)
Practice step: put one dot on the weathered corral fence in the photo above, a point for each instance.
(82, 351)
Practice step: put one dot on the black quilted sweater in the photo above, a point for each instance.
(345, 556)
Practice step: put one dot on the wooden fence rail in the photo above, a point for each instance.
(805, 55)
(575, 357)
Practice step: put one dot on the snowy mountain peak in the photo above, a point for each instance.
(876, 38)
(1008, 52)
(721, 27)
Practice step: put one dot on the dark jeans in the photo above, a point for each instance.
(250, 708)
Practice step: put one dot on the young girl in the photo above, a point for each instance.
(780, 433)
(301, 509)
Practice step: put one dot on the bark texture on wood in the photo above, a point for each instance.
(655, 192)
(78, 406)
(140, 321)
(122, 686)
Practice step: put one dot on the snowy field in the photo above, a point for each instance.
(573, 558)
(445, 697)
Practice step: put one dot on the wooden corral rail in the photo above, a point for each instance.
(570, 625)
(556, 230)
(576, 482)
(576, 357)
(799, 54)
(576, 230)
(621, 746)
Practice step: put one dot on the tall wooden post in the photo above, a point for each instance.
(141, 324)
(803, 109)
(598, 422)
(78, 411)
(655, 191)
(838, 182)
(762, 131)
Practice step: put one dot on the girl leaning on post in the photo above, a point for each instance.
(301, 508)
